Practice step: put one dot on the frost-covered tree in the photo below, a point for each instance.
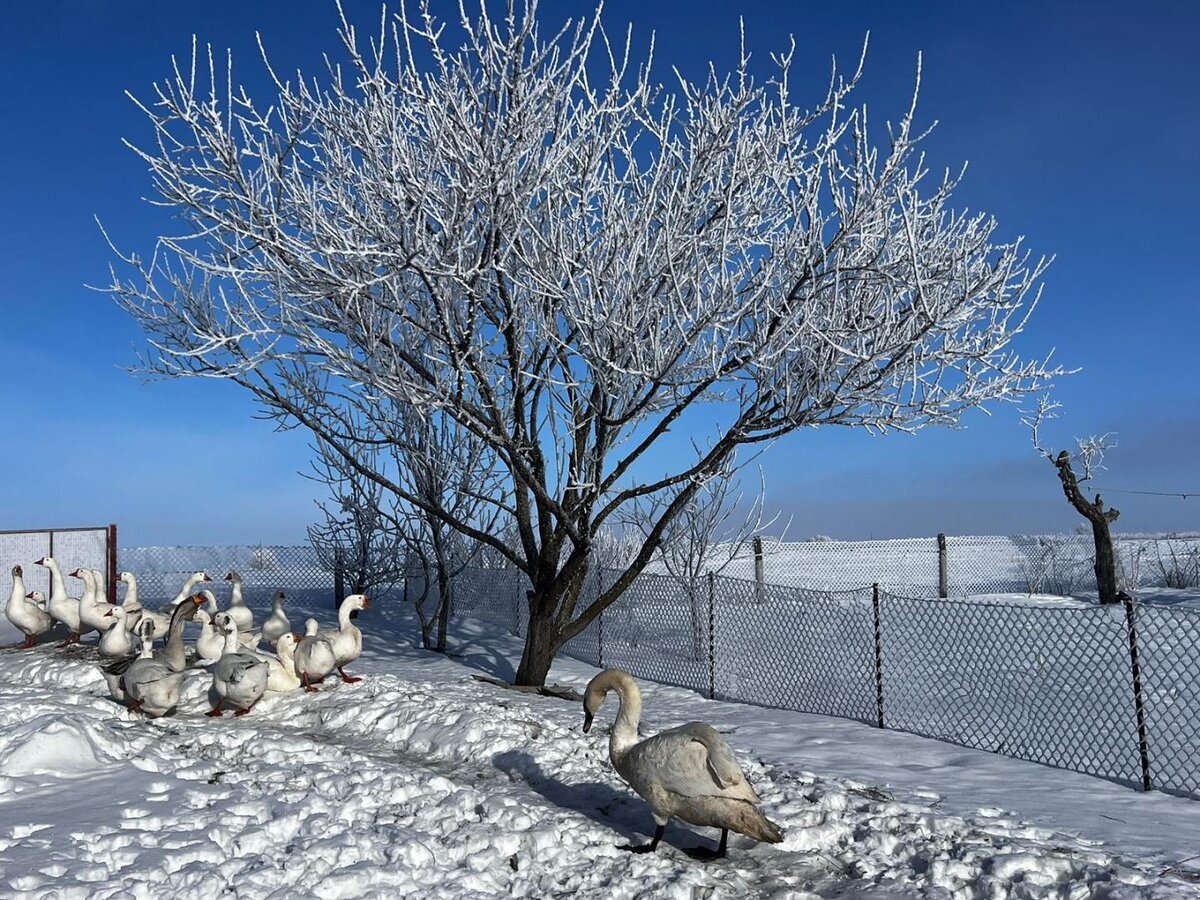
(534, 237)
(1089, 455)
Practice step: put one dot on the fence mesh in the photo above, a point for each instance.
(71, 548)
(1048, 681)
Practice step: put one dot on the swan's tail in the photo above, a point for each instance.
(753, 823)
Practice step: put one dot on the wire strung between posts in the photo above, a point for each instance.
(1153, 493)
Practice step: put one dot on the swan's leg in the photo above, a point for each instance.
(706, 853)
(349, 679)
(216, 710)
(650, 847)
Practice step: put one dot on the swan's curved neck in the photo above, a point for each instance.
(625, 729)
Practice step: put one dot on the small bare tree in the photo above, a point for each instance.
(705, 536)
(357, 535)
(535, 239)
(1090, 456)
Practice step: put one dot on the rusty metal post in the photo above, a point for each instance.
(1138, 701)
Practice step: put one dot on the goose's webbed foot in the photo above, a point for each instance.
(646, 848)
(707, 853)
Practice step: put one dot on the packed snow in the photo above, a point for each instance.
(422, 781)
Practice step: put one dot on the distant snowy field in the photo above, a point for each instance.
(421, 781)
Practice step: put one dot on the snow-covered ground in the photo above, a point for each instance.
(421, 781)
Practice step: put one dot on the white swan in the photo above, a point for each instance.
(314, 657)
(149, 684)
(22, 610)
(61, 607)
(242, 617)
(92, 612)
(117, 642)
(688, 772)
(283, 675)
(239, 676)
(347, 639)
(277, 623)
(132, 605)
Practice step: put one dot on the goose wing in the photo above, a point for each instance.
(693, 761)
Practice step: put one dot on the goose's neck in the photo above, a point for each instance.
(18, 591)
(344, 617)
(235, 596)
(58, 590)
(131, 597)
(89, 588)
(624, 732)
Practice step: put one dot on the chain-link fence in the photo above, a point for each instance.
(966, 565)
(71, 548)
(162, 571)
(1049, 681)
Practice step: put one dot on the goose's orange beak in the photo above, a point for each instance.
(198, 599)
(297, 637)
(366, 602)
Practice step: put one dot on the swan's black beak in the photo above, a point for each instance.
(587, 721)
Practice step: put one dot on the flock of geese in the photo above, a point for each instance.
(687, 772)
(149, 679)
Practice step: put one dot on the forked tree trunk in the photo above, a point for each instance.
(1100, 519)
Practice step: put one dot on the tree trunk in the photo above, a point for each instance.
(443, 618)
(541, 644)
(1100, 518)
(1106, 567)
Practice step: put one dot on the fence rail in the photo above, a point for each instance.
(93, 547)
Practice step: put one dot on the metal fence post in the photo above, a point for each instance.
(712, 630)
(878, 657)
(760, 577)
(339, 579)
(943, 568)
(1138, 704)
(111, 563)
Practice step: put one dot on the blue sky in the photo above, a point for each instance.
(1081, 122)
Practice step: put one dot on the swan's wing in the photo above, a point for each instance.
(693, 761)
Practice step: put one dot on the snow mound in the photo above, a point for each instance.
(50, 746)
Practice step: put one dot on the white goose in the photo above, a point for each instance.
(314, 657)
(117, 642)
(132, 605)
(93, 613)
(277, 623)
(186, 591)
(210, 644)
(241, 614)
(149, 684)
(688, 772)
(239, 677)
(347, 639)
(22, 610)
(283, 675)
(61, 607)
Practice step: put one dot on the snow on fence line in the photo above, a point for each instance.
(1048, 681)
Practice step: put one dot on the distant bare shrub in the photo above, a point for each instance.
(1179, 566)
